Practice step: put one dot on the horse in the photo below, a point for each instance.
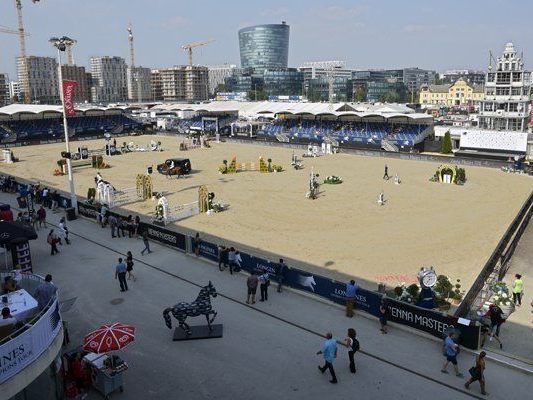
(200, 306)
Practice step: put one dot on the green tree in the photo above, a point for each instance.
(392, 96)
(446, 143)
(221, 88)
(258, 94)
(359, 95)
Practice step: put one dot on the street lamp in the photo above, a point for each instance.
(61, 45)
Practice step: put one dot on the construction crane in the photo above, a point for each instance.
(188, 47)
(70, 55)
(22, 42)
(132, 50)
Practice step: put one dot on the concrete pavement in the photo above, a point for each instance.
(268, 350)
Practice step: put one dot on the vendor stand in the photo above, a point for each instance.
(106, 372)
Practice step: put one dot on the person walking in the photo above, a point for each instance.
(518, 288)
(41, 216)
(231, 259)
(280, 273)
(64, 230)
(137, 225)
(353, 346)
(222, 257)
(251, 284)
(45, 292)
(329, 351)
(476, 373)
(146, 243)
(120, 274)
(45, 198)
(383, 310)
(196, 243)
(129, 266)
(496, 321)
(264, 283)
(238, 261)
(52, 240)
(351, 291)
(451, 349)
(386, 174)
(113, 225)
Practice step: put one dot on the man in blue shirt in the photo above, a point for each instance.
(351, 291)
(329, 350)
(120, 273)
(450, 352)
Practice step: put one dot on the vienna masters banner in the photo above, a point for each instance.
(68, 97)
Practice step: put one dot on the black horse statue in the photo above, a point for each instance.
(200, 306)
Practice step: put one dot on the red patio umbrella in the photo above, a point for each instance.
(109, 337)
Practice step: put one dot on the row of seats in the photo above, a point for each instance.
(346, 132)
(35, 128)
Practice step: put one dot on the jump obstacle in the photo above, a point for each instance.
(234, 167)
(194, 143)
(107, 194)
(7, 156)
(166, 214)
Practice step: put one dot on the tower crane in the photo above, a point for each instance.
(188, 47)
(22, 42)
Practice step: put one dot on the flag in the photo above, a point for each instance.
(68, 97)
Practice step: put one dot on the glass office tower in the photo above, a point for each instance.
(264, 47)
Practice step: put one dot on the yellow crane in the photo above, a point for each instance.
(189, 46)
(22, 42)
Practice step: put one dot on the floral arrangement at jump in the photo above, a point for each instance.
(502, 298)
(407, 294)
(333, 180)
(277, 167)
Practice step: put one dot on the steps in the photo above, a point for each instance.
(388, 146)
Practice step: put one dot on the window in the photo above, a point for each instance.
(513, 107)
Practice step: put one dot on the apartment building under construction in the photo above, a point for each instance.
(180, 83)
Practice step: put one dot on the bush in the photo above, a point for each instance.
(446, 143)
(413, 290)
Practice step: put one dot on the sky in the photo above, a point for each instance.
(432, 34)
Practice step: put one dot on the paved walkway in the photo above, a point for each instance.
(268, 350)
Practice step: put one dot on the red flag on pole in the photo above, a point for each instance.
(68, 97)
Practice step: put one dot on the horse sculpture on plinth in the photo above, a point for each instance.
(200, 306)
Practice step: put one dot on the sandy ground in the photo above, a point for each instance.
(344, 231)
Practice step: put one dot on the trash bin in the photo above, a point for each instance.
(71, 213)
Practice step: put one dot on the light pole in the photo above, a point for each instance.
(61, 45)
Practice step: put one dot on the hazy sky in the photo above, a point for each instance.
(434, 34)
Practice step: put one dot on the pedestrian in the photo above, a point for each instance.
(55, 200)
(45, 292)
(122, 226)
(52, 240)
(129, 266)
(113, 225)
(222, 257)
(386, 174)
(196, 243)
(450, 351)
(103, 215)
(238, 261)
(64, 230)
(496, 321)
(130, 226)
(120, 274)
(264, 283)
(146, 243)
(353, 346)
(329, 351)
(45, 197)
(518, 288)
(280, 273)
(351, 291)
(231, 259)
(251, 284)
(136, 225)
(41, 216)
(476, 373)
(383, 310)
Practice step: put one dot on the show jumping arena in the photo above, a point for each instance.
(344, 231)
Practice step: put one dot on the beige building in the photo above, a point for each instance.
(82, 93)
(460, 93)
(41, 78)
(180, 83)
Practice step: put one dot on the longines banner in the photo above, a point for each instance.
(25, 348)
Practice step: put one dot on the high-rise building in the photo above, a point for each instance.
(41, 78)
(470, 76)
(78, 74)
(5, 98)
(139, 84)
(217, 74)
(14, 91)
(326, 88)
(157, 85)
(264, 47)
(108, 79)
(181, 83)
(506, 105)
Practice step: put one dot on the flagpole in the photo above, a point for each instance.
(60, 45)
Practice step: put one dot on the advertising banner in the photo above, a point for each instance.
(88, 210)
(165, 236)
(68, 97)
(25, 348)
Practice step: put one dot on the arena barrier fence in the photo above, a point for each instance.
(498, 263)
(429, 321)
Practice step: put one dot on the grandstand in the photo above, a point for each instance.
(41, 122)
(492, 144)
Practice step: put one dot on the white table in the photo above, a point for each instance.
(21, 304)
